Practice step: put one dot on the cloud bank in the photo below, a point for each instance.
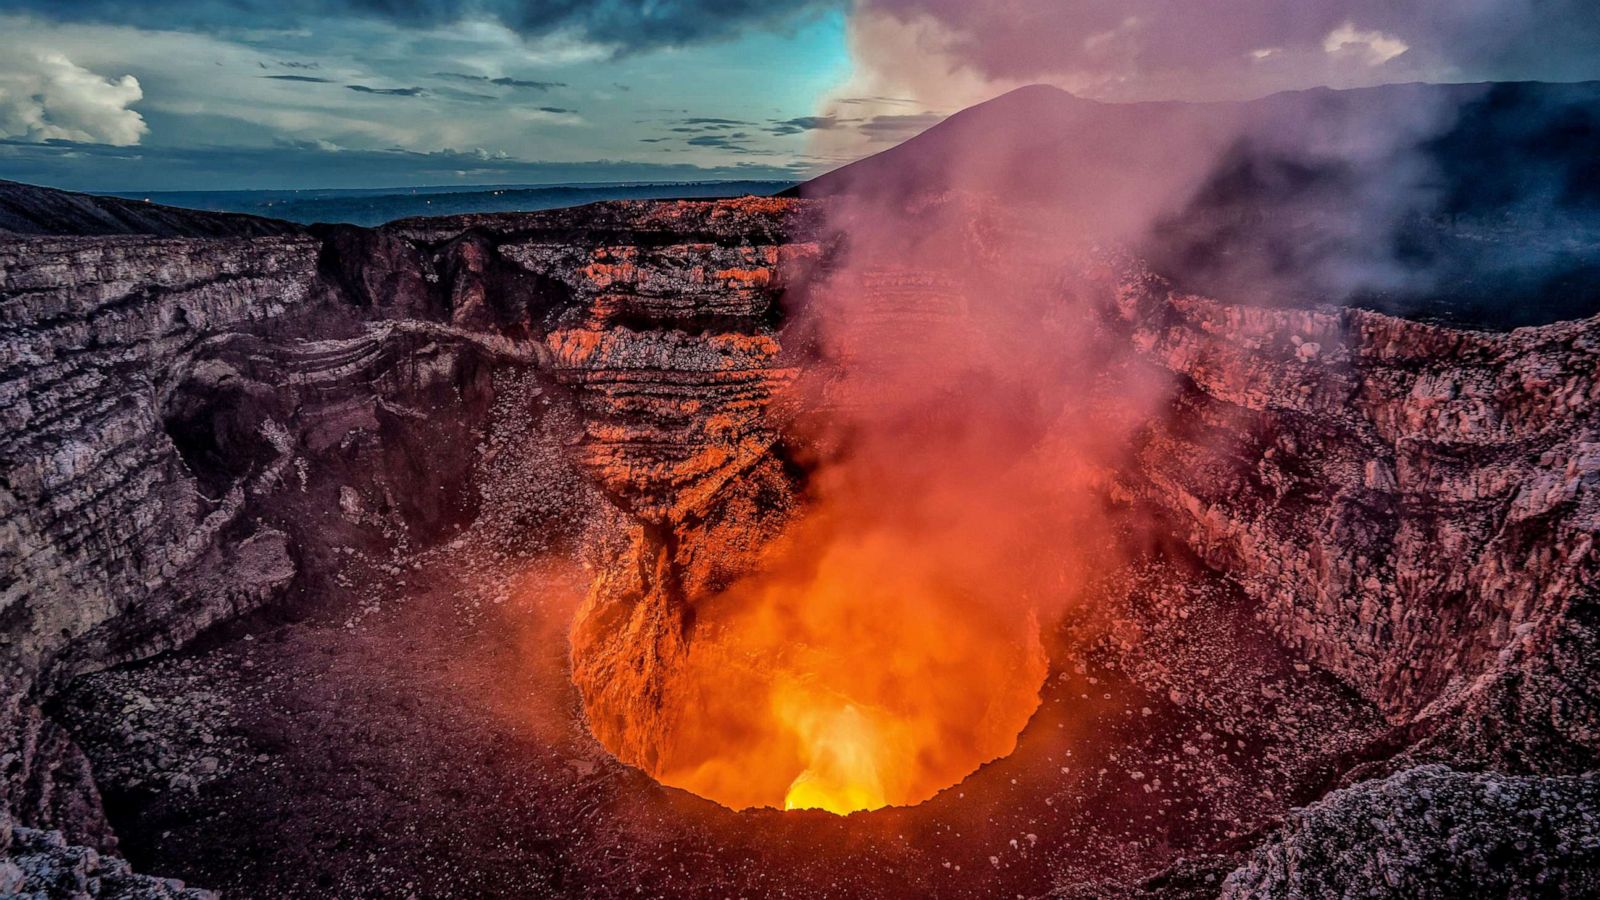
(620, 25)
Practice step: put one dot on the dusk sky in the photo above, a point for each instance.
(215, 94)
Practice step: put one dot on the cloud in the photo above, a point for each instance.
(389, 92)
(44, 96)
(889, 101)
(503, 81)
(718, 140)
(622, 26)
(465, 96)
(805, 123)
(212, 90)
(736, 142)
(1375, 47)
(898, 127)
(708, 125)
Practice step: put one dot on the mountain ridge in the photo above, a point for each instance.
(33, 210)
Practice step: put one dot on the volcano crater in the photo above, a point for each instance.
(427, 637)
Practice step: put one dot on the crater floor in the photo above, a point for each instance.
(419, 736)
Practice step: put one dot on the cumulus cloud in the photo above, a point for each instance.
(44, 96)
(1374, 47)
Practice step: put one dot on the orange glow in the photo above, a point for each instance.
(844, 679)
(842, 751)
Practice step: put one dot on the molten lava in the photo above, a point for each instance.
(844, 680)
(842, 756)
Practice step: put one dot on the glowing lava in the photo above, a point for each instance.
(846, 681)
(842, 756)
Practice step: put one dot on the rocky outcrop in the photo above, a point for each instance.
(1408, 503)
(672, 354)
(43, 865)
(101, 512)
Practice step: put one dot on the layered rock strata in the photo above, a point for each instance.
(1414, 507)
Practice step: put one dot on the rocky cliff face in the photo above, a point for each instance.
(1413, 507)
(192, 428)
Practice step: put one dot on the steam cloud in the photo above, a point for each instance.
(1312, 198)
(984, 421)
(948, 421)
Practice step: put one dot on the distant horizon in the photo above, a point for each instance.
(147, 171)
(376, 206)
(451, 188)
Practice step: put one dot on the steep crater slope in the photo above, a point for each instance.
(394, 444)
